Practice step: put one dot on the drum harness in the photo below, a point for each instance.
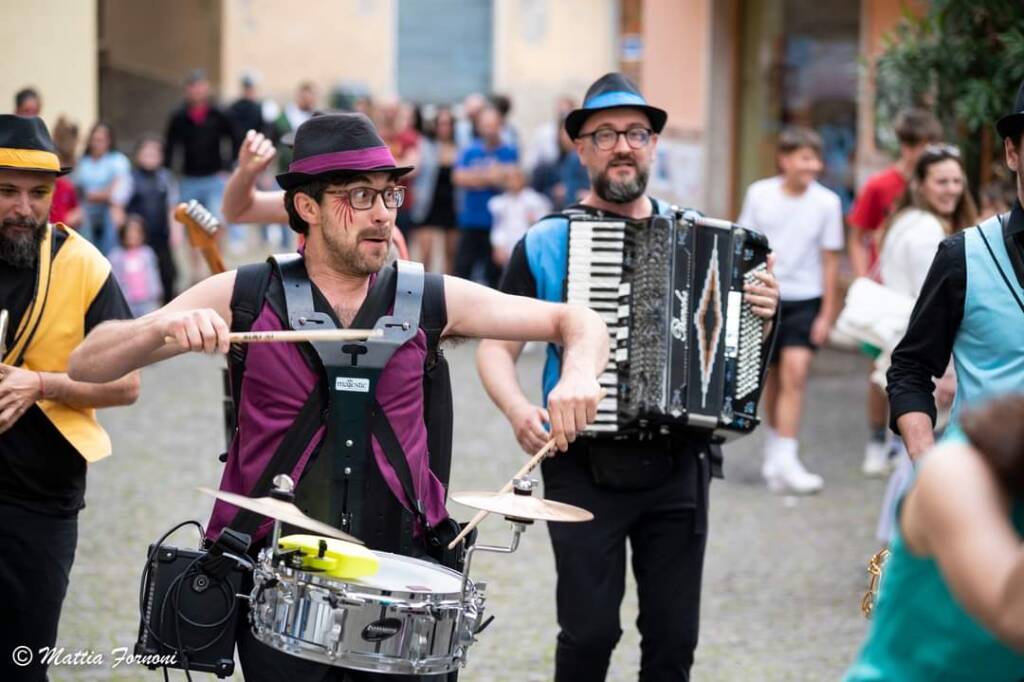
(341, 481)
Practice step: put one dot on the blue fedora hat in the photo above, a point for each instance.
(613, 91)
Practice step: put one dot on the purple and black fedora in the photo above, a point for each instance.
(612, 91)
(331, 144)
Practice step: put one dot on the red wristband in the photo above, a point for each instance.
(42, 389)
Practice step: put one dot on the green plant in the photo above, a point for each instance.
(963, 60)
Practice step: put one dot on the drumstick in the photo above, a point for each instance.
(527, 468)
(292, 336)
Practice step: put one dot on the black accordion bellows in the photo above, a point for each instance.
(686, 350)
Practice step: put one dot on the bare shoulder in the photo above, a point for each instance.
(954, 466)
(213, 292)
(954, 487)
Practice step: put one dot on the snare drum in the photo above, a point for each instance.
(410, 617)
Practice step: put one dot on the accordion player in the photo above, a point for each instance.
(686, 351)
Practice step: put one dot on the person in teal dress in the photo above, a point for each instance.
(951, 600)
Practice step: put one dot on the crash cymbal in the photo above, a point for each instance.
(522, 506)
(285, 512)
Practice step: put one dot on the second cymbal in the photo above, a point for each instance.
(522, 506)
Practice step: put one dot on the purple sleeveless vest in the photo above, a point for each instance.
(275, 385)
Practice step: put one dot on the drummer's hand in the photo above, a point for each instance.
(202, 330)
(255, 154)
(763, 297)
(528, 422)
(572, 405)
(19, 390)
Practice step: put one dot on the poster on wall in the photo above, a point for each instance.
(678, 172)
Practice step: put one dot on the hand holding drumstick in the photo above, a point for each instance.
(537, 458)
(203, 330)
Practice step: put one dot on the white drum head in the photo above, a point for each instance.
(405, 574)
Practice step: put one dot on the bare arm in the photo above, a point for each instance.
(199, 320)
(830, 277)
(496, 363)
(21, 388)
(242, 202)
(477, 311)
(857, 249)
(916, 430)
(62, 389)
(970, 535)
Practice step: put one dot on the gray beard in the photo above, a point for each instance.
(620, 192)
(21, 252)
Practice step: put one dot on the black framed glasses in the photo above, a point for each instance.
(363, 198)
(605, 139)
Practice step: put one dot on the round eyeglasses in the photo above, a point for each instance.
(363, 198)
(605, 139)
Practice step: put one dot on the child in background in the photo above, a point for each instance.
(135, 267)
(513, 212)
(153, 196)
(804, 223)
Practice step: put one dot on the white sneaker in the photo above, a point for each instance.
(785, 474)
(876, 459)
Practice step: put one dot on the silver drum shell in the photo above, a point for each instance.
(347, 624)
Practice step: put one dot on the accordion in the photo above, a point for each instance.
(686, 350)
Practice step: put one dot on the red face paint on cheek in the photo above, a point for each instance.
(342, 210)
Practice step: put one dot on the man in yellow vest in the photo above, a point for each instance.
(54, 286)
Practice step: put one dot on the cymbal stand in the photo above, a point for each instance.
(522, 486)
(284, 489)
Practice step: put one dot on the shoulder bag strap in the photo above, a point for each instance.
(1002, 273)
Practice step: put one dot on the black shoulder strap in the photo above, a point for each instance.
(392, 447)
(285, 457)
(1006, 280)
(433, 313)
(251, 283)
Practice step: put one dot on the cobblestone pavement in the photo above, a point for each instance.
(783, 577)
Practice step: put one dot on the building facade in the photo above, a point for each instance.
(731, 73)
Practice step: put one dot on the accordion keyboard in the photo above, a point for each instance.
(748, 352)
(594, 280)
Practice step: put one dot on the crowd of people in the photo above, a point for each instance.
(476, 203)
(477, 185)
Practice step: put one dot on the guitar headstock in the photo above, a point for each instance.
(202, 227)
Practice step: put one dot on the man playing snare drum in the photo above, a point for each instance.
(342, 193)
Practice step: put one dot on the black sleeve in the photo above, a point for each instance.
(109, 304)
(171, 141)
(518, 279)
(924, 351)
(232, 136)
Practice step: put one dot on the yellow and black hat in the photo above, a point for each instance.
(25, 144)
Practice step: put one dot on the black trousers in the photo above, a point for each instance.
(168, 271)
(36, 553)
(665, 527)
(474, 252)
